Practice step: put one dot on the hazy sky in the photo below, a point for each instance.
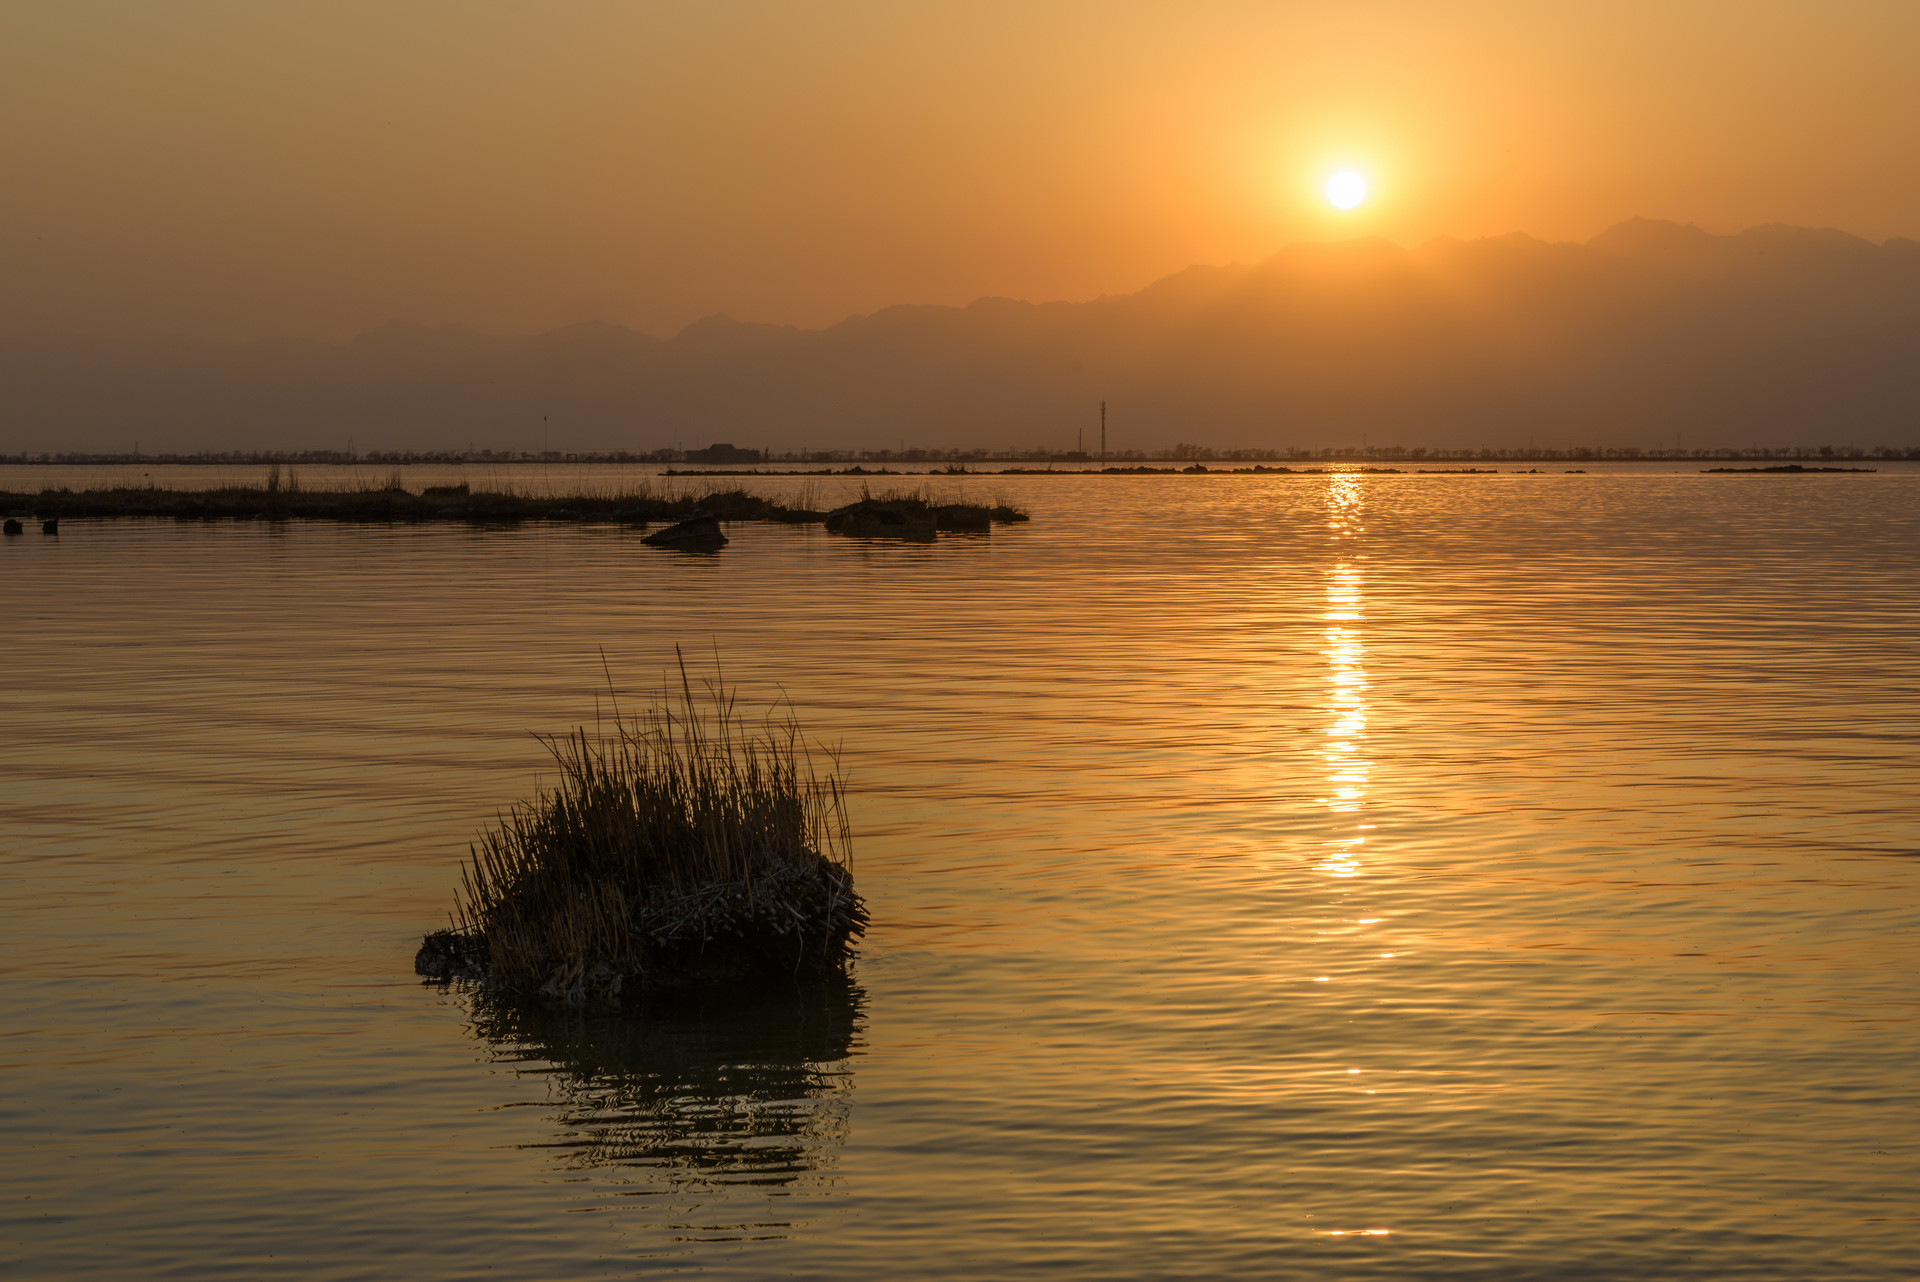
(238, 170)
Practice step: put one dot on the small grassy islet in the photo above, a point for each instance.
(681, 844)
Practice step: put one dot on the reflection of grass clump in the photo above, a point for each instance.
(679, 844)
(713, 1085)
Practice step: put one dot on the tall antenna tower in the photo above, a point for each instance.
(1103, 436)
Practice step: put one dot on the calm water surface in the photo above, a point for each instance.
(1322, 877)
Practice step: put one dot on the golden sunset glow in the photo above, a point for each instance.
(954, 640)
(518, 169)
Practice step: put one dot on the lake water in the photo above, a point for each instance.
(1325, 877)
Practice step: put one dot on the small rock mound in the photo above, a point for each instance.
(454, 954)
(907, 519)
(695, 534)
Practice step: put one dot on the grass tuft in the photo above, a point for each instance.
(682, 842)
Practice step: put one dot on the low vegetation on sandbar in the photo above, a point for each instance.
(283, 498)
(681, 844)
(915, 516)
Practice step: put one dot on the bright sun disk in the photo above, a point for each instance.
(1346, 189)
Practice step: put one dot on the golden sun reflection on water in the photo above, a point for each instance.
(1644, 802)
(1343, 745)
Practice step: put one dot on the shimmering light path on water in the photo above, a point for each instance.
(1340, 876)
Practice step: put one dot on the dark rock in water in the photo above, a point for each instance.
(50, 526)
(12, 526)
(695, 534)
(910, 520)
(452, 954)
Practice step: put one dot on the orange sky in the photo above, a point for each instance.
(239, 170)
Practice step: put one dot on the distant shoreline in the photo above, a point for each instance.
(966, 462)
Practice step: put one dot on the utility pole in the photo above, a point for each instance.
(1103, 436)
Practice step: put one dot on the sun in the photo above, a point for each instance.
(1346, 189)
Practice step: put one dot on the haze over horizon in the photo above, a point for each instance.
(208, 202)
(671, 332)
(1649, 334)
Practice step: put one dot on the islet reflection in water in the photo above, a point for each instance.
(740, 1085)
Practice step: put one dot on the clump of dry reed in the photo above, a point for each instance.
(680, 842)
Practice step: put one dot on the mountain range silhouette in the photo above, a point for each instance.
(1775, 336)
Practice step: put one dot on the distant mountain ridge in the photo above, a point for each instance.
(1777, 335)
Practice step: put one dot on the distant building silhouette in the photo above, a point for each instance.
(725, 452)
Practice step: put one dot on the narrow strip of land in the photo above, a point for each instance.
(458, 503)
(1790, 469)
